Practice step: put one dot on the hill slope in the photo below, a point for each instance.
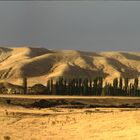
(40, 64)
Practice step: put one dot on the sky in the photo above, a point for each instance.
(81, 25)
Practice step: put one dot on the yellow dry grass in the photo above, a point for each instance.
(66, 124)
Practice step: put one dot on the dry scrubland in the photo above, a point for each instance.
(40, 64)
(26, 120)
(67, 124)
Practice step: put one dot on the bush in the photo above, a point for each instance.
(38, 89)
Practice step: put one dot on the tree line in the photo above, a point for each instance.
(86, 87)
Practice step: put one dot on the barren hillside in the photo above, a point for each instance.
(40, 64)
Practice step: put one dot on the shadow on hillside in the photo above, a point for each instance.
(127, 71)
(131, 56)
(89, 53)
(82, 72)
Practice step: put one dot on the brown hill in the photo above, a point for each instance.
(40, 64)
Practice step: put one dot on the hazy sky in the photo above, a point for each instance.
(95, 26)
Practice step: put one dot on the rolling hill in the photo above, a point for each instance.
(41, 64)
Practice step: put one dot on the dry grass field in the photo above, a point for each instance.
(26, 120)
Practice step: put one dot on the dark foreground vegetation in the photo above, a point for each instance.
(83, 87)
(98, 101)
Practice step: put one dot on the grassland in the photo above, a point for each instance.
(64, 117)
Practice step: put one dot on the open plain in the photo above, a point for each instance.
(69, 119)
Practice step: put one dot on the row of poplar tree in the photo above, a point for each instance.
(87, 87)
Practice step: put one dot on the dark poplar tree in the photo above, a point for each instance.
(65, 86)
(100, 85)
(120, 92)
(80, 86)
(85, 85)
(90, 87)
(95, 86)
(136, 83)
(121, 83)
(126, 81)
(51, 86)
(48, 86)
(105, 90)
(115, 86)
(25, 85)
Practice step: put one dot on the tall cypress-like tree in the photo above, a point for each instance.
(120, 86)
(95, 86)
(136, 83)
(48, 86)
(115, 83)
(90, 87)
(69, 87)
(80, 86)
(51, 86)
(65, 86)
(126, 81)
(120, 83)
(115, 86)
(85, 85)
(100, 85)
(25, 85)
(61, 85)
